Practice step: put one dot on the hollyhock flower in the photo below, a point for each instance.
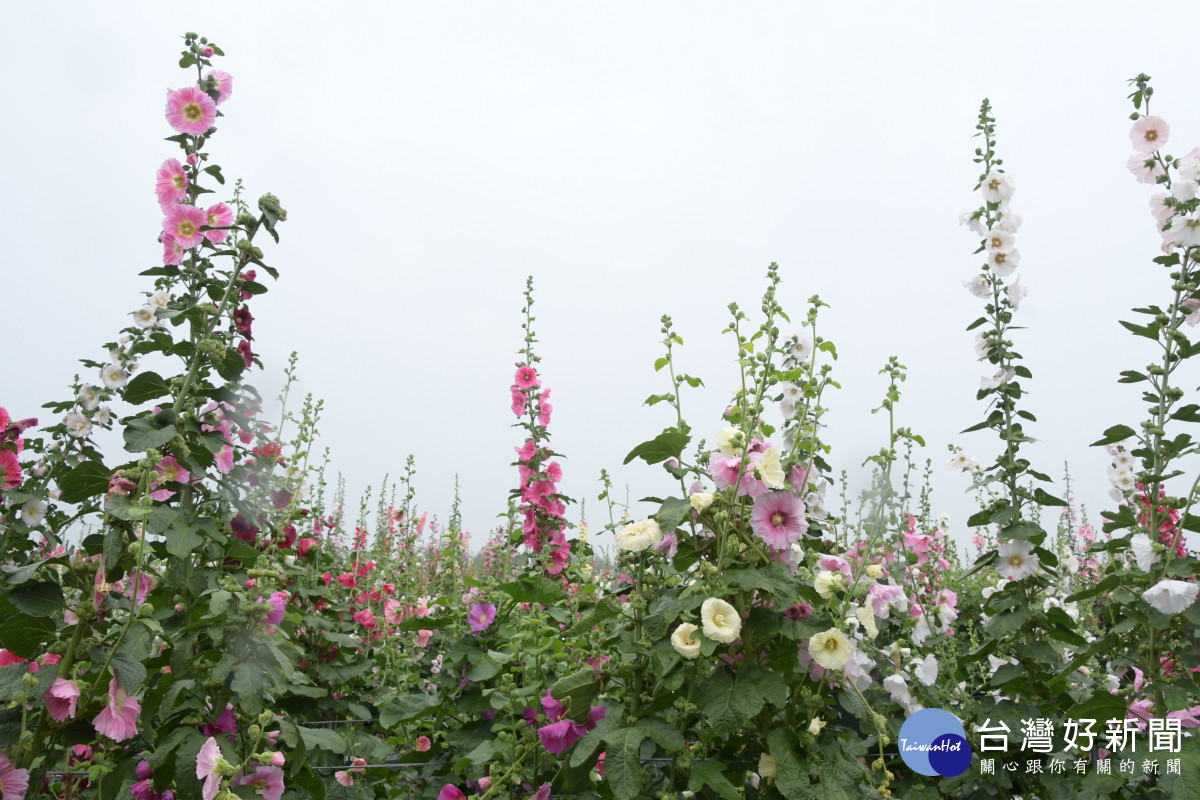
(730, 441)
(113, 376)
(171, 184)
(247, 354)
(815, 726)
(218, 216)
(518, 403)
(1149, 134)
(827, 583)
(423, 744)
(303, 546)
(554, 709)
(778, 519)
(1143, 551)
(145, 583)
(926, 671)
(997, 187)
(973, 222)
(172, 253)
(118, 720)
(1003, 264)
(343, 777)
(769, 469)
(224, 83)
(684, 642)
(451, 792)
(701, 500)
(480, 617)
(1192, 304)
(393, 610)
(10, 468)
(543, 792)
(33, 513)
(669, 545)
(88, 397)
(831, 649)
(526, 377)
(182, 223)
(61, 699)
(1186, 229)
(13, 782)
(366, 618)
(866, 618)
(225, 723)
(835, 564)
(544, 409)
(267, 781)
(1017, 560)
(1016, 293)
(190, 110)
(224, 459)
(979, 286)
(885, 596)
(801, 344)
(799, 611)
(1001, 377)
(1171, 596)
(720, 620)
(207, 761)
(557, 737)
(278, 601)
(423, 637)
(1145, 168)
(638, 536)
(1184, 190)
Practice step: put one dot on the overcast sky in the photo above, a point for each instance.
(636, 159)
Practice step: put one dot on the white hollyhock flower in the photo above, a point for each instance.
(88, 397)
(1001, 377)
(684, 641)
(926, 671)
(730, 441)
(866, 616)
(997, 187)
(1149, 134)
(1143, 551)
(159, 299)
(1171, 596)
(144, 317)
(802, 345)
(1184, 190)
(1016, 292)
(638, 535)
(113, 376)
(768, 767)
(769, 468)
(1004, 264)
(1123, 480)
(720, 620)
(701, 500)
(897, 687)
(973, 222)
(921, 631)
(826, 583)
(1017, 560)
(1009, 222)
(979, 286)
(104, 416)
(999, 240)
(1186, 230)
(830, 649)
(33, 513)
(77, 424)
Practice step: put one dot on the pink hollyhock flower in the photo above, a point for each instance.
(218, 216)
(171, 183)
(278, 601)
(366, 618)
(518, 401)
(224, 459)
(668, 545)
(1149, 134)
(543, 793)
(347, 580)
(423, 744)
(13, 782)
(527, 451)
(242, 319)
(10, 470)
(544, 409)
(393, 612)
(451, 792)
(8, 658)
(554, 709)
(145, 584)
(343, 777)
(247, 354)
(61, 699)
(1144, 168)
(118, 720)
(885, 596)
(526, 377)
(557, 737)
(206, 768)
(423, 637)
(207, 52)
(224, 84)
(303, 546)
(190, 110)
(182, 223)
(778, 519)
(267, 781)
(480, 617)
(799, 611)
(225, 723)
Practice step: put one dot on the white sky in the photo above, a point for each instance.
(636, 159)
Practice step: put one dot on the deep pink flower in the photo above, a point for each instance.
(527, 451)
(218, 216)
(242, 319)
(543, 793)
(366, 618)
(10, 470)
(544, 409)
(278, 601)
(118, 720)
(171, 183)
(267, 781)
(245, 352)
(303, 546)
(778, 519)
(554, 709)
(451, 792)
(557, 737)
(182, 223)
(480, 617)
(61, 699)
(423, 637)
(799, 611)
(190, 110)
(518, 401)
(526, 377)
(225, 723)
(347, 580)
(423, 744)
(13, 782)
(224, 84)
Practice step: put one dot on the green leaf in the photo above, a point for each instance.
(605, 610)
(533, 589)
(668, 444)
(146, 386)
(1131, 376)
(1189, 413)
(1008, 622)
(86, 480)
(623, 762)
(23, 634)
(672, 512)
(728, 705)
(664, 734)
(1146, 331)
(407, 707)
(41, 599)
(215, 171)
(183, 540)
(660, 363)
(1024, 531)
(712, 775)
(1044, 498)
(249, 683)
(142, 434)
(576, 691)
(1114, 434)
(323, 739)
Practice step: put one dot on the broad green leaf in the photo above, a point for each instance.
(672, 512)
(533, 589)
(40, 599)
(668, 444)
(1114, 434)
(146, 386)
(712, 775)
(623, 762)
(323, 739)
(407, 707)
(84, 481)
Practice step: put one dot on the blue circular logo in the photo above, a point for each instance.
(933, 742)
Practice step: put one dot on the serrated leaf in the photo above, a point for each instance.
(40, 599)
(322, 739)
(84, 481)
(623, 762)
(533, 589)
(672, 512)
(668, 444)
(145, 386)
(407, 707)
(1114, 434)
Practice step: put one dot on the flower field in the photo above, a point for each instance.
(192, 613)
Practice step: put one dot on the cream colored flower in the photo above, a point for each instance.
(830, 649)
(684, 642)
(769, 468)
(701, 500)
(720, 620)
(826, 583)
(730, 441)
(875, 571)
(816, 725)
(638, 535)
(867, 617)
(768, 767)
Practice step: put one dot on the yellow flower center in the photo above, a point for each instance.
(192, 112)
(1016, 561)
(179, 181)
(1151, 135)
(777, 519)
(187, 229)
(1000, 258)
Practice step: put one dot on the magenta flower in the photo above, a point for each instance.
(557, 737)
(224, 84)
(13, 782)
(10, 470)
(543, 793)
(366, 618)
(451, 792)
(278, 601)
(481, 616)
(225, 723)
(526, 377)
(553, 708)
(544, 409)
(182, 223)
(118, 720)
(518, 400)
(219, 216)
(778, 519)
(171, 183)
(61, 699)
(267, 781)
(190, 110)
